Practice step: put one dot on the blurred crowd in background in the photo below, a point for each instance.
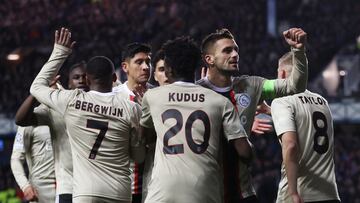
(103, 27)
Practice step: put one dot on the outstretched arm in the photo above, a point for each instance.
(55, 99)
(297, 81)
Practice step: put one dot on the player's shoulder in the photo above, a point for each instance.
(293, 98)
(123, 98)
(118, 88)
(314, 94)
(247, 79)
(283, 100)
(201, 81)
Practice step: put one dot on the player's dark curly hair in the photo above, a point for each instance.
(133, 48)
(182, 57)
(211, 38)
(100, 68)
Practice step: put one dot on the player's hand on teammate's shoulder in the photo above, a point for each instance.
(63, 37)
(295, 37)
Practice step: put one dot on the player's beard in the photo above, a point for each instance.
(227, 72)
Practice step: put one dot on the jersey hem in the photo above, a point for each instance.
(106, 196)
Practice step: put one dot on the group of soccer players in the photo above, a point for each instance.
(181, 142)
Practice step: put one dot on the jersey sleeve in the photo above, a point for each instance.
(42, 114)
(56, 99)
(137, 142)
(18, 158)
(295, 83)
(146, 119)
(283, 116)
(231, 122)
(135, 126)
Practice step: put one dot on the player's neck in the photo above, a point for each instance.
(219, 80)
(100, 88)
(131, 84)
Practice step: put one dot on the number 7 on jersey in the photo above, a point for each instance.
(103, 127)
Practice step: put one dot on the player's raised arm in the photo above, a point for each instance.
(40, 87)
(297, 81)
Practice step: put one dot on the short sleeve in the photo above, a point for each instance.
(146, 119)
(231, 122)
(135, 139)
(283, 116)
(19, 145)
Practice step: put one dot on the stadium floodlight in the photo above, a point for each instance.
(342, 73)
(13, 57)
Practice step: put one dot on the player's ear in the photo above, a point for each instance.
(283, 74)
(114, 77)
(88, 82)
(209, 59)
(155, 77)
(125, 67)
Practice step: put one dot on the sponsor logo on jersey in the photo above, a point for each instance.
(243, 100)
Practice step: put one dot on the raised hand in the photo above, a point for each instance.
(295, 37)
(63, 37)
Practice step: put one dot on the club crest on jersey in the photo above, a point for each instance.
(243, 100)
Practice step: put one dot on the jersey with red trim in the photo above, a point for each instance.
(135, 168)
(249, 92)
